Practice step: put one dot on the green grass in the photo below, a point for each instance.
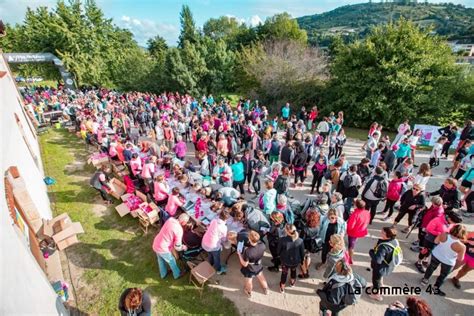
(113, 251)
(233, 98)
(361, 134)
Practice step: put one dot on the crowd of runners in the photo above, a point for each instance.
(249, 158)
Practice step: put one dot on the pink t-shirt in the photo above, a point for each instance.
(180, 149)
(148, 170)
(173, 203)
(217, 230)
(161, 191)
(170, 235)
(136, 165)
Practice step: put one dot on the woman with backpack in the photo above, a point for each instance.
(312, 243)
(384, 257)
(330, 224)
(340, 290)
(291, 252)
(282, 182)
(277, 231)
(351, 183)
(338, 252)
(449, 253)
(411, 201)
(394, 192)
(357, 225)
(258, 165)
(375, 190)
(299, 164)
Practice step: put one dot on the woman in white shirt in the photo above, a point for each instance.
(423, 175)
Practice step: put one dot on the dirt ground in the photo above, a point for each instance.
(302, 299)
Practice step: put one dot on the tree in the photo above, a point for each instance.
(157, 47)
(398, 71)
(223, 27)
(282, 27)
(279, 71)
(188, 27)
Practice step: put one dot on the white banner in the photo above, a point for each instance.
(430, 135)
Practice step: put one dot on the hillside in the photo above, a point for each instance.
(354, 21)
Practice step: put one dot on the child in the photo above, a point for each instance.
(436, 152)
(424, 174)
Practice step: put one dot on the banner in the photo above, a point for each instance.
(430, 135)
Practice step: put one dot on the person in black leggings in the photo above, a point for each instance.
(291, 251)
(411, 201)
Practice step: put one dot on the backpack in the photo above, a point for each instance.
(347, 182)
(314, 243)
(328, 174)
(381, 189)
(352, 291)
(397, 254)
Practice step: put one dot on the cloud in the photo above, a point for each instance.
(13, 11)
(143, 29)
(254, 20)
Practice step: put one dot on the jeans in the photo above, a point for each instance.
(214, 258)
(256, 184)
(284, 273)
(168, 258)
(445, 270)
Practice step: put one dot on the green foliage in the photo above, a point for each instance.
(354, 21)
(91, 47)
(397, 72)
(282, 27)
(276, 72)
(157, 47)
(188, 28)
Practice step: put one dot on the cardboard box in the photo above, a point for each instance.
(62, 230)
(141, 195)
(97, 162)
(117, 187)
(122, 209)
(125, 196)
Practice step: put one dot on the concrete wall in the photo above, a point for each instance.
(24, 287)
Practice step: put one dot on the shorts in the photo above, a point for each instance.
(469, 261)
(466, 184)
(352, 242)
(246, 272)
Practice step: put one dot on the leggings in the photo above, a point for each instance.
(332, 151)
(299, 174)
(239, 184)
(389, 206)
(338, 151)
(284, 273)
(402, 213)
(256, 184)
(325, 251)
(445, 270)
(372, 206)
(317, 179)
(445, 149)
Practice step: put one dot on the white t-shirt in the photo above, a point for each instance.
(419, 179)
(436, 152)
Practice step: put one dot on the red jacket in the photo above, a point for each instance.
(394, 189)
(432, 213)
(357, 223)
(438, 226)
(201, 146)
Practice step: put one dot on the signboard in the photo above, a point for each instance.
(430, 135)
(27, 58)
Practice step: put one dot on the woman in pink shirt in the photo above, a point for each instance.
(136, 165)
(161, 190)
(212, 241)
(175, 200)
(437, 226)
(222, 146)
(357, 225)
(147, 173)
(180, 148)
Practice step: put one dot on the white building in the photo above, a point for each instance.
(25, 287)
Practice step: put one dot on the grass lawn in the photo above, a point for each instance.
(113, 253)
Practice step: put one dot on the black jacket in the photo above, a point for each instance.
(408, 200)
(381, 257)
(291, 252)
(450, 197)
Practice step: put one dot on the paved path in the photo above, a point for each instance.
(302, 299)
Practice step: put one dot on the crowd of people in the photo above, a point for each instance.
(249, 161)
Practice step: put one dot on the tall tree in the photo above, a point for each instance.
(397, 71)
(188, 27)
(282, 27)
(157, 47)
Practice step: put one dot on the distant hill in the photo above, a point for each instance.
(456, 22)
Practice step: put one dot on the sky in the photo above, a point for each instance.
(147, 18)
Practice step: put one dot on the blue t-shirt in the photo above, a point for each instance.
(238, 171)
(285, 112)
